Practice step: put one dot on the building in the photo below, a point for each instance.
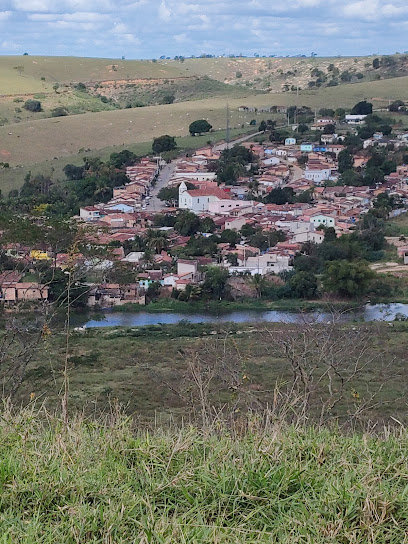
(113, 294)
(355, 119)
(23, 291)
(306, 147)
(290, 141)
(90, 213)
(319, 219)
(318, 173)
(199, 200)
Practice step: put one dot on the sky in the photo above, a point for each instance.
(151, 28)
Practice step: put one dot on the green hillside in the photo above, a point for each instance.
(104, 115)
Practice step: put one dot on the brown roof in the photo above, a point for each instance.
(219, 193)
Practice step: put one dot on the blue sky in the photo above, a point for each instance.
(151, 28)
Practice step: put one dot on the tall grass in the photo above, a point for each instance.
(105, 481)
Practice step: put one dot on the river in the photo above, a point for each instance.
(371, 312)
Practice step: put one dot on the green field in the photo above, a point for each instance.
(150, 375)
(13, 178)
(45, 139)
(30, 142)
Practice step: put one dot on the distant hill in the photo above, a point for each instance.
(127, 102)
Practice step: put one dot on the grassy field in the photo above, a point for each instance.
(31, 142)
(67, 135)
(73, 69)
(150, 375)
(13, 178)
(105, 481)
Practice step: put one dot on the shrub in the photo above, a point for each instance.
(59, 112)
(32, 105)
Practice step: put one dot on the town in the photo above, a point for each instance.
(246, 211)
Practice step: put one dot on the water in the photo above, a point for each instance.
(377, 312)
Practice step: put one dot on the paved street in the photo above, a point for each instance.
(221, 147)
(156, 204)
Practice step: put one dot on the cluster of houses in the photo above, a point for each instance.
(230, 207)
(128, 197)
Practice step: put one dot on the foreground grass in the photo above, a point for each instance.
(104, 482)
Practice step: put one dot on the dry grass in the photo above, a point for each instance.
(32, 142)
(36, 141)
(72, 69)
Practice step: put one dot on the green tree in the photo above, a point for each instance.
(230, 236)
(303, 284)
(169, 195)
(348, 279)
(187, 223)
(215, 283)
(164, 143)
(346, 161)
(122, 158)
(352, 178)
(330, 234)
(73, 172)
(258, 281)
(199, 127)
(262, 126)
(329, 129)
(280, 196)
(362, 108)
(302, 128)
(207, 225)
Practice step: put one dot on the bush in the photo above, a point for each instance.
(59, 112)
(32, 105)
(81, 87)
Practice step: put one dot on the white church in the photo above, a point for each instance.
(214, 200)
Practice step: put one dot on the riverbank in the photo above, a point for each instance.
(225, 306)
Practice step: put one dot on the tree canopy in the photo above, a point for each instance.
(200, 126)
(164, 143)
(362, 108)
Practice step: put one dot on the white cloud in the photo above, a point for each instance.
(213, 26)
(181, 38)
(79, 16)
(62, 6)
(371, 10)
(33, 5)
(120, 28)
(164, 12)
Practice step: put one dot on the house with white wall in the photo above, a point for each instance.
(90, 213)
(199, 200)
(318, 219)
(318, 174)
